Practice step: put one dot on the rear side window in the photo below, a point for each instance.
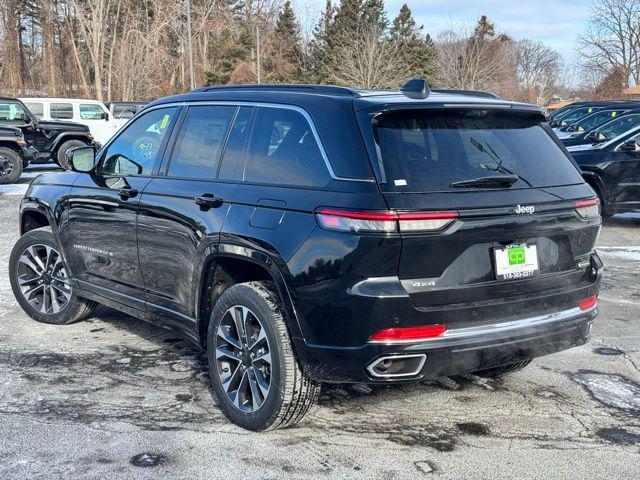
(428, 150)
(36, 108)
(284, 151)
(124, 111)
(232, 167)
(91, 111)
(61, 111)
(200, 141)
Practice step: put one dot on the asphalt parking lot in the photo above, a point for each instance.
(113, 397)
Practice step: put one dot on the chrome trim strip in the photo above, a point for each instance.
(481, 330)
(300, 110)
(373, 364)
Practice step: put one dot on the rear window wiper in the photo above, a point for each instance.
(493, 181)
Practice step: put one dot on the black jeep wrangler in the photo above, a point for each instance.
(308, 234)
(51, 139)
(15, 154)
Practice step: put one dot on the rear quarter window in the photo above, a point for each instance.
(61, 111)
(428, 150)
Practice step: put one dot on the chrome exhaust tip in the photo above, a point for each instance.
(397, 366)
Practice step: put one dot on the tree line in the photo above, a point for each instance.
(139, 49)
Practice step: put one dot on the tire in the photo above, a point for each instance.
(290, 394)
(62, 150)
(70, 307)
(502, 369)
(10, 166)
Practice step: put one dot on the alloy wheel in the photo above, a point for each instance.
(6, 167)
(243, 359)
(43, 279)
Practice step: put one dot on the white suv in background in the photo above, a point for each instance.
(91, 113)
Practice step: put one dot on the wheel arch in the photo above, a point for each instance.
(595, 181)
(230, 264)
(65, 137)
(11, 145)
(34, 215)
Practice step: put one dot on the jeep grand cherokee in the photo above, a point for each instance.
(307, 234)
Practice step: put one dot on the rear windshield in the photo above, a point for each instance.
(428, 150)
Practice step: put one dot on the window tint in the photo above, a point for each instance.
(426, 151)
(92, 111)
(284, 151)
(136, 149)
(200, 141)
(36, 108)
(12, 113)
(62, 111)
(234, 155)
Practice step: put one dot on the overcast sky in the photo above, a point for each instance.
(554, 22)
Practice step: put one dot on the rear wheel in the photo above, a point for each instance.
(502, 369)
(10, 166)
(255, 375)
(40, 281)
(64, 148)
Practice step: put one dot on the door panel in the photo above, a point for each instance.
(173, 232)
(624, 176)
(102, 226)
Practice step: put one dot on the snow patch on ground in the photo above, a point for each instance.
(612, 390)
(631, 253)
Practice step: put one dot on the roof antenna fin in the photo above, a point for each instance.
(416, 88)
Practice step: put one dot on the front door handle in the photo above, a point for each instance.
(207, 201)
(127, 193)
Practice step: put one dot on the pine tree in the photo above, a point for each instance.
(417, 50)
(233, 50)
(287, 55)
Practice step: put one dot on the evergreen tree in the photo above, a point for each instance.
(287, 56)
(232, 51)
(418, 51)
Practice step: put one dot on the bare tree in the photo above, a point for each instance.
(369, 61)
(537, 69)
(612, 38)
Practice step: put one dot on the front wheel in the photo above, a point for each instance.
(10, 166)
(40, 281)
(254, 373)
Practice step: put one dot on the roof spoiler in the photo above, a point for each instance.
(416, 88)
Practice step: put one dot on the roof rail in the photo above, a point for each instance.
(473, 93)
(323, 89)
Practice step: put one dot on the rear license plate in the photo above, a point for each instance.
(516, 261)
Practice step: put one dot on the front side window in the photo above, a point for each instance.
(91, 111)
(61, 111)
(36, 108)
(617, 127)
(12, 113)
(284, 151)
(432, 150)
(200, 141)
(136, 149)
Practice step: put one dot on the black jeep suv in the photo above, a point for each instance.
(308, 234)
(15, 153)
(51, 139)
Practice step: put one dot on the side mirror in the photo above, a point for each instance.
(630, 146)
(81, 159)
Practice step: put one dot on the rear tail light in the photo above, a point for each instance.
(350, 221)
(587, 303)
(408, 334)
(588, 208)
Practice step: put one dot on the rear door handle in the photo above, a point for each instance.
(127, 193)
(207, 201)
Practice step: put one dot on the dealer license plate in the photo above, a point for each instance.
(516, 261)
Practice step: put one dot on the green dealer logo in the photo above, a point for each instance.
(516, 255)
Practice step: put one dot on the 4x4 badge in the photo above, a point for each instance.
(526, 209)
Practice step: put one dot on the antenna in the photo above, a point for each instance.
(416, 88)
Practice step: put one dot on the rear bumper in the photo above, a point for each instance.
(460, 351)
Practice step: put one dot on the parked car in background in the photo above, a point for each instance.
(15, 153)
(124, 110)
(606, 131)
(92, 113)
(52, 139)
(306, 234)
(593, 120)
(612, 168)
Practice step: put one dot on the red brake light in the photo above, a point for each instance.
(588, 303)
(588, 208)
(388, 221)
(409, 333)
